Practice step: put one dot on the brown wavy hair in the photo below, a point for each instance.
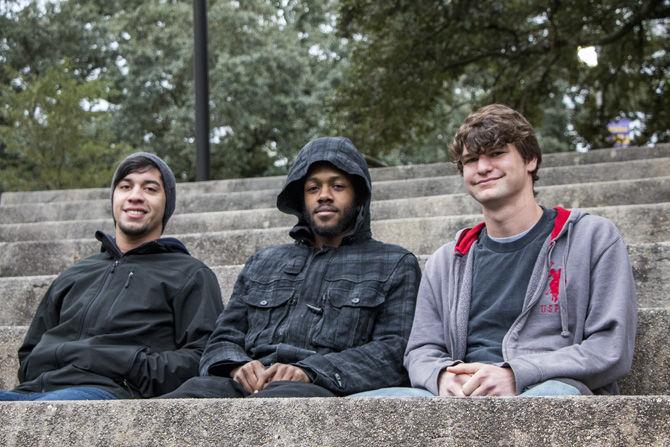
(492, 127)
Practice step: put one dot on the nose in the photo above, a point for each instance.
(484, 164)
(325, 195)
(136, 194)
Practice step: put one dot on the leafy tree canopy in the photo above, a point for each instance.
(272, 65)
(53, 137)
(418, 65)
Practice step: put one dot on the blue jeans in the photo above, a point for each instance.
(71, 393)
(398, 391)
(548, 388)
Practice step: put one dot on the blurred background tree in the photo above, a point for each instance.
(413, 57)
(84, 83)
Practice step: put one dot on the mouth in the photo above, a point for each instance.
(487, 180)
(135, 213)
(325, 210)
(325, 213)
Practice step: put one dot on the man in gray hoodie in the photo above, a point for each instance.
(532, 301)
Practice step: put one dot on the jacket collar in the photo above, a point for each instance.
(468, 236)
(162, 245)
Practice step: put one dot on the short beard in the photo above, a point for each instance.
(347, 220)
(134, 231)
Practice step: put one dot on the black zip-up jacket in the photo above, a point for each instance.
(343, 314)
(134, 324)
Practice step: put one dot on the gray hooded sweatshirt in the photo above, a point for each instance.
(578, 320)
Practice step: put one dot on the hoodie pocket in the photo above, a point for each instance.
(350, 310)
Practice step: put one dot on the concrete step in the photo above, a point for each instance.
(618, 192)
(638, 224)
(20, 296)
(207, 201)
(378, 174)
(551, 422)
(650, 373)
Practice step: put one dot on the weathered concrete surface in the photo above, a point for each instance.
(378, 175)
(583, 195)
(11, 338)
(387, 190)
(604, 155)
(619, 192)
(589, 422)
(650, 373)
(19, 296)
(637, 223)
(43, 258)
(651, 268)
(217, 193)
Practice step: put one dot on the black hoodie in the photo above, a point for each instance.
(343, 314)
(134, 324)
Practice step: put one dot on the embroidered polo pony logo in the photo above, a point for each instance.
(554, 285)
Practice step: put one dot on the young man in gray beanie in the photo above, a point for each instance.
(131, 321)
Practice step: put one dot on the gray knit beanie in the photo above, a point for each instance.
(169, 182)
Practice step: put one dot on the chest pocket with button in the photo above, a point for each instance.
(266, 310)
(272, 284)
(350, 310)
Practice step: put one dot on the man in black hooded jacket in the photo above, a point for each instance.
(131, 321)
(328, 315)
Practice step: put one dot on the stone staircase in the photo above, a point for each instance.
(419, 207)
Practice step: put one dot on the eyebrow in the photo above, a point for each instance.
(144, 182)
(329, 179)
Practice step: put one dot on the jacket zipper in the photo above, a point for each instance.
(130, 276)
(90, 304)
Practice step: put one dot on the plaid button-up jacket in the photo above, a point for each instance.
(343, 314)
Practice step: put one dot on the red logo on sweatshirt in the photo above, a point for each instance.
(554, 285)
(555, 276)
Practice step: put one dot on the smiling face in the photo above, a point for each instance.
(138, 206)
(329, 204)
(498, 177)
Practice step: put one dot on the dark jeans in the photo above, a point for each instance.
(203, 387)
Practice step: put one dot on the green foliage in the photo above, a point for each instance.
(410, 56)
(265, 95)
(50, 140)
(397, 77)
(272, 65)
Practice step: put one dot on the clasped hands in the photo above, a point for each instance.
(253, 376)
(476, 379)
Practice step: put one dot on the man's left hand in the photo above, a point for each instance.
(281, 371)
(486, 380)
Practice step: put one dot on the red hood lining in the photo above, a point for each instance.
(469, 235)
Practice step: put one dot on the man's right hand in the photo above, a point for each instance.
(250, 376)
(450, 384)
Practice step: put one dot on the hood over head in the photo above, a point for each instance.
(342, 154)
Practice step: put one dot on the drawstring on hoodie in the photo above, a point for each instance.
(562, 295)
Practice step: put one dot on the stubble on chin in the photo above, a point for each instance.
(332, 229)
(133, 231)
